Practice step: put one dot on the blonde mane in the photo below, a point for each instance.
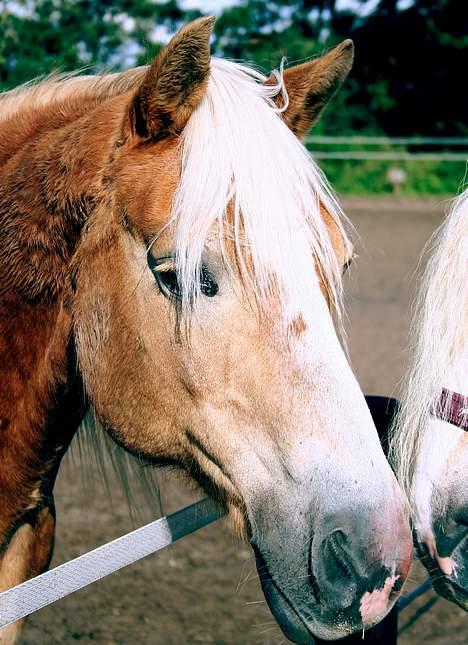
(438, 335)
(237, 150)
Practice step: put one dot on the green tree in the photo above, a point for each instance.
(410, 65)
(407, 78)
(39, 37)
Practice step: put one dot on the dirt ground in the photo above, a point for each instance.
(204, 589)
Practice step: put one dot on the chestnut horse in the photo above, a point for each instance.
(430, 446)
(172, 257)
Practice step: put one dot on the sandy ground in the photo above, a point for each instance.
(204, 589)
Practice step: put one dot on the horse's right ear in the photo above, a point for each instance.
(311, 85)
(174, 83)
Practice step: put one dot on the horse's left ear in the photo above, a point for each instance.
(174, 83)
(311, 85)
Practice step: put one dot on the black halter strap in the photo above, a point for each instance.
(452, 407)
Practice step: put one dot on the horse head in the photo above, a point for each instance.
(430, 446)
(205, 286)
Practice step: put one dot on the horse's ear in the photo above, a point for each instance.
(311, 85)
(174, 83)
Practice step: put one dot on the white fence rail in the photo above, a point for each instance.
(407, 141)
(389, 155)
(36, 593)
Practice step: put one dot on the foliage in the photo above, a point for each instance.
(41, 36)
(410, 64)
(407, 80)
(370, 177)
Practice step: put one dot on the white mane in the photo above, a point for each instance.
(236, 147)
(439, 333)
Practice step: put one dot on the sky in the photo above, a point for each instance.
(216, 6)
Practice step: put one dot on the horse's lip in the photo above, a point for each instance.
(444, 585)
(450, 590)
(460, 592)
(287, 616)
(299, 626)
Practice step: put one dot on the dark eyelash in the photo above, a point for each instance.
(208, 286)
(168, 282)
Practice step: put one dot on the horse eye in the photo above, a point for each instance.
(168, 282)
(166, 278)
(208, 286)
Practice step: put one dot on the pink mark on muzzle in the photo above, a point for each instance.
(374, 603)
(446, 564)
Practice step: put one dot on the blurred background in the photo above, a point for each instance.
(406, 90)
(394, 143)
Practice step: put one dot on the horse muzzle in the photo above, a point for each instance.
(445, 556)
(346, 578)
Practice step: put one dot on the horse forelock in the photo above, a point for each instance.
(438, 335)
(249, 179)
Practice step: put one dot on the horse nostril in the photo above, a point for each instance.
(336, 552)
(358, 566)
(332, 576)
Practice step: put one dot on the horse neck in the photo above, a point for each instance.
(52, 167)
